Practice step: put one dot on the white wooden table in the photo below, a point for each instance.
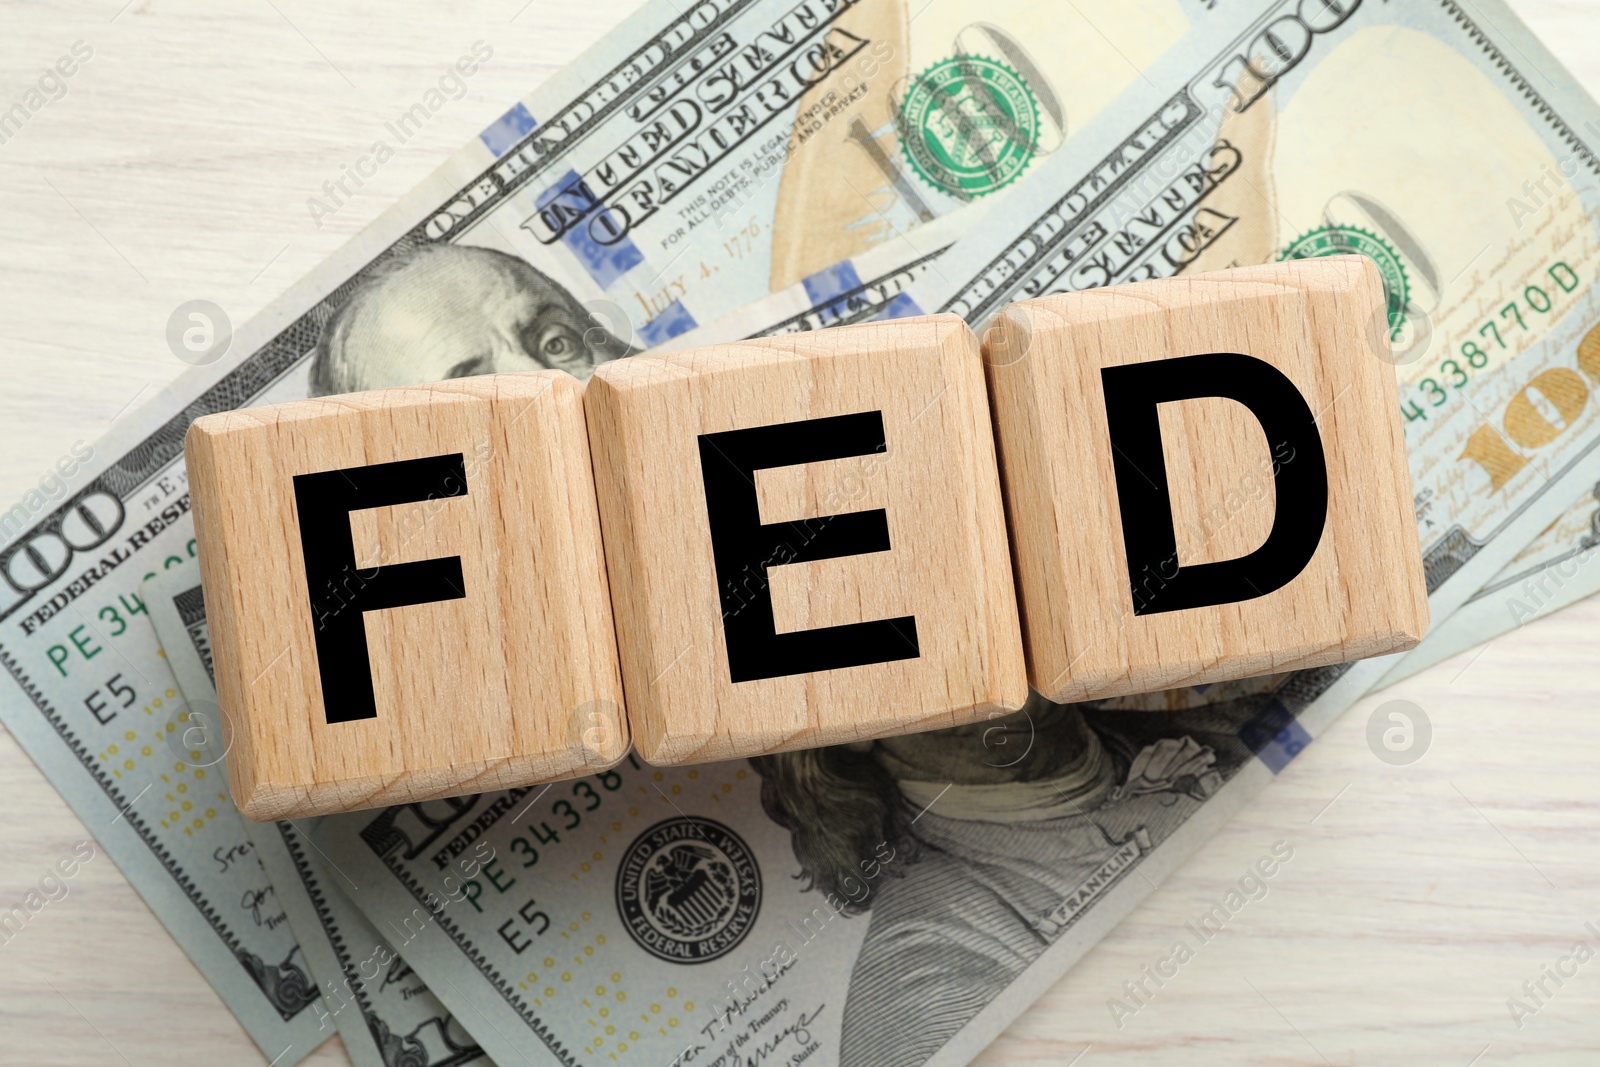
(178, 166)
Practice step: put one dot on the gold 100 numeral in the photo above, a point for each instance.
(1526, 425)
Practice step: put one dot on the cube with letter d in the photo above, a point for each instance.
(1206, 478)
(805, 540)
(407, 593)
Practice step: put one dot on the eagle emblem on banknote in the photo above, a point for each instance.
(688, 890)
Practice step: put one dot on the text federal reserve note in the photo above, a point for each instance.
(384, 1013)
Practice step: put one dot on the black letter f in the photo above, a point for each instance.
(325, 500)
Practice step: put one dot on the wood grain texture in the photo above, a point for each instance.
(947, 566)
(191, 142)
(1094, 626)
(514, 683)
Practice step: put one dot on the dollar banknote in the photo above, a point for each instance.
(107, 723)
(385, 1014)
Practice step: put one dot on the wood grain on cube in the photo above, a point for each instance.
(1092, 629)
(934, 478)
(513, 682)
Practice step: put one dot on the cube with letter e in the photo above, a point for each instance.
(407, 593)
(805, 540)
(1206, 478)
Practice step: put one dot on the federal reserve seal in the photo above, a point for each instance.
(688, 890)
(1343, 240)
(969, 125)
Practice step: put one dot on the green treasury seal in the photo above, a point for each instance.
(1344, 240)
(969, 125)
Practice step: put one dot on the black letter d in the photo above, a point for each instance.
(1132, 394)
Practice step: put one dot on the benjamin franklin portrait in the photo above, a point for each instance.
(995, 826)
(451, 311)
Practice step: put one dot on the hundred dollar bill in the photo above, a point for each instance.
(1557, 570)
(700, 156)
(100, 712)
(383, 1011)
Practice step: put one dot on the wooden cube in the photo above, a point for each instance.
(805, 539)
(1205, 478)
(407, 593)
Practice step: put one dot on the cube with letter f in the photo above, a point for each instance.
(806, 540)
(1206, 478)
(407, 594)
